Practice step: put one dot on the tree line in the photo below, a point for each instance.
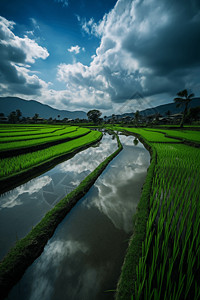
(94, 115)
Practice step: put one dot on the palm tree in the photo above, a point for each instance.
(184, 99)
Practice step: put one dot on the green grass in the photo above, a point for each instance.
(169, 267)
(15, 130)
(184, 134)
(166, 250)
(42, 140)
(16, 164)
(178, 126)
(11, 136)
(149, 136)
(125, 287)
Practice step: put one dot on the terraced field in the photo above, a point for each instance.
(168, 266)
(12, 142)
(150, 136)
(163, 257)
(42, 144)
(27, 249)
(188, 135)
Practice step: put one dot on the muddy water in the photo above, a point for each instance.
(23, 207)
(82, 261)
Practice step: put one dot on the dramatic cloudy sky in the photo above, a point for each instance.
(110, 55)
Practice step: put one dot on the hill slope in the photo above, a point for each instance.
(162, 109)
(30, 107)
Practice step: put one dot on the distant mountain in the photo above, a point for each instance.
(30, 107)
(162, 109)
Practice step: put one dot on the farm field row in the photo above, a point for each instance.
(189, 135)
(17, 136)
(149, 136)
(16, 164)
(18, 129)
(44, 139)
(26, 250)
(169, 264)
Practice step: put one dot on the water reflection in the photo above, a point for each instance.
(83, 258)
(124, 181)
(11, 199)
(23, 207)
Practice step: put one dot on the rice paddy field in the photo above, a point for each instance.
(169, 262)
(188, 135)
(35, 136)
(163, 257)
(8, 142)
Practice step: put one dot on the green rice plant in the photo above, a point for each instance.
(27, 129)
(171, 267)
(39, 141)
(150, 136)
(27, 135)
(16, 164)
(190, 135)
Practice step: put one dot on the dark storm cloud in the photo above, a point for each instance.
(148, 47)
(170, 47)
(174, 44)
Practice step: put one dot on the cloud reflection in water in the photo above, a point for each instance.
(55, 254)
(119, 189)
(11, 199)
(86, 252)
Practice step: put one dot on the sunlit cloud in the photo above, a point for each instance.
(144, 48)
(16, 55)
(76, 49)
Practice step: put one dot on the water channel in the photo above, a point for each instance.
(23, 207)
(83, 259)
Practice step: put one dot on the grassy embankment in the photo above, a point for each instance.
(15, 129)
(29, 248)
(163, 258)
(186, 136)
(8, 137)
(13, 146)
(17, 168)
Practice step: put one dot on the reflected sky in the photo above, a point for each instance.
(83, 258)
(11, 199)
(122, 182)
(23, 207)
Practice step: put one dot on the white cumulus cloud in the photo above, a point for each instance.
(16, 53)
(76, 49)
(144, 48)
